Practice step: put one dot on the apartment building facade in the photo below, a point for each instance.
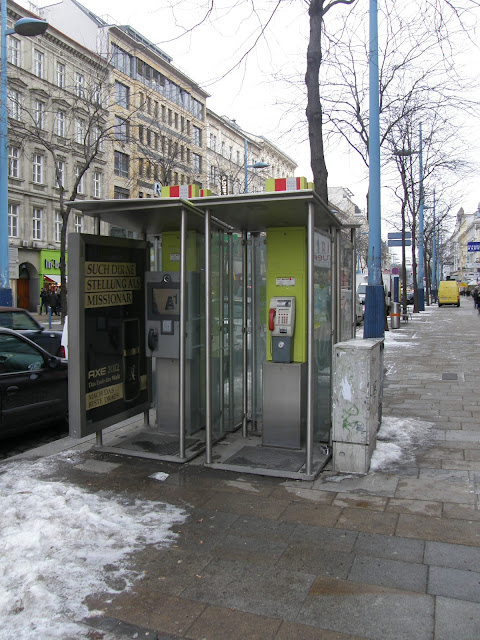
(232, 153)
(48, 114)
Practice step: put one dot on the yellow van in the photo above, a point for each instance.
(448, 292)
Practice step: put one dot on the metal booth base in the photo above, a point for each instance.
(249, 455)
(148, 442)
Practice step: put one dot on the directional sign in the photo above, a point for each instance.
(398, 243)
(473, 246)
(398, 236)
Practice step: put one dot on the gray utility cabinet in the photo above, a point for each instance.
(356, 403)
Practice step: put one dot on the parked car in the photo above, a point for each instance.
(33, 385)
(22, 321)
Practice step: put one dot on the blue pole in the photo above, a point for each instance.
(420, 289)
(6, 298)
(374, 325)
(434, 256)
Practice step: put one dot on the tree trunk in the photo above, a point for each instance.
(314, 108)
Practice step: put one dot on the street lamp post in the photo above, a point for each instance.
(24, 27)
(374, 324)
(420, 288)
(434, 255)
(255, 165)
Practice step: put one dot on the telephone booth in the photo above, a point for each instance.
(244, 297)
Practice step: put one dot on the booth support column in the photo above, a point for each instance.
(183, 299)
(208, 340)
(310, 338)
(245, 346)
(253, 333)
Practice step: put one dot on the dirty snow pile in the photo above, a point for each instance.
(59, 543)
(398, 439)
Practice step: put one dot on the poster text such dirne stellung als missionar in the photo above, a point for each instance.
(110, 284)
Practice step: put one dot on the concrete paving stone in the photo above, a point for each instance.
(220, 623)
(438, 490)
(329, 539)
(377, 484)
(97, 466)
(239, 486)
(368, 521)
(302, 494)
(260, 528)
(422, 507)
(465, 436)
(439, 529)
(169, 570)
(456, 619)
(472, 454)
(454, 556)
(154, 610)
(409, 576)
(454, 583)
(368, 611)
(461, 511)
(454, 476)
(322, 515)
(392, 547)
(442, 452)
(292, 630)
(255, 550)
(372, 503)
(313, 558)
(429, 464)
(465, 465)
(267, 591)
(247, 505)
(203, 529)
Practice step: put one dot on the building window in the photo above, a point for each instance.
(80, 85)
(213, 142)
(37, 167)
(13, 104)
(140, 133)
(223, 149)
(120, 194)
(37, 223)
(122, 94)
(170, 117)
(80, 185)
(121, 164)
(60, 177)
(13, 162)
(60, 75)
(39, 114)
(163, 113)
(14, 51)
(38, 63)
(78, 223)
(13, 210)
(140, 167)
(197, 162)
(58, 226)
(176, 121)
(80, 130)
(97, 184)
(197, 136)
(60, 123)
(121, 129)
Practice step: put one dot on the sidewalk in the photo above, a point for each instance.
(393, 555)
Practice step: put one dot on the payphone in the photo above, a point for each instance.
(162, 299)
(281, 324)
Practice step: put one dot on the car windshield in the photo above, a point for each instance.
(18, 320)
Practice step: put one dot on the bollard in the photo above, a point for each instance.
(49, 317)
(395, 316)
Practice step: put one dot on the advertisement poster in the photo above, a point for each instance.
(108, 327)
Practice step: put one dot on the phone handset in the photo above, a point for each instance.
(271, 319)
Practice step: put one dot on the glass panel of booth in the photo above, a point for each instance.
(322, 276)
(347, 325)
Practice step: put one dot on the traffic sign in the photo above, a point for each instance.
(473, 246)
(395, 271)
(398, 243)
(398, 236)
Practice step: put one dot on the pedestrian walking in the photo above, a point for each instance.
(475, 298)
(52, 301)
(43, 300)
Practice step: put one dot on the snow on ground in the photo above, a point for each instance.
(60, 543)
(398, 439)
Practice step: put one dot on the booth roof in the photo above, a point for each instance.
(246, 212)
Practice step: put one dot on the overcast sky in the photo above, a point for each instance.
(259, 93)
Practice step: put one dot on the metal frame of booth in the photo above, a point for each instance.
(243, 214)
